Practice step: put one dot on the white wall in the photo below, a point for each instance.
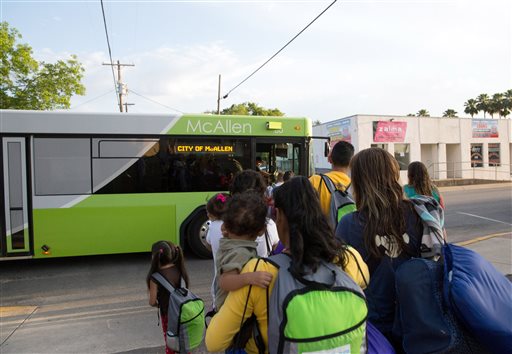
(443, 141)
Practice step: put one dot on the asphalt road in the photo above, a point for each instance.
(477, 212)
(99, 304)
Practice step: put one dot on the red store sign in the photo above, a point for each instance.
(389, 132)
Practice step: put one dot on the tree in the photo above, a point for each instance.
(423, 113)
(250, 109)
(482, 103)
(507, 97)
(471, 107)
(28, 84)
(451, 113)
(316, 122)
(497, 104)
(411, 115)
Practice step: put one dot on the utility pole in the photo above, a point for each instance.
(121, 88)
(126, 106)
(218, 98)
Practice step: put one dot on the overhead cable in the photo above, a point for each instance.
(279, 51)
(109, 51)
(152, 100)
(92, 99)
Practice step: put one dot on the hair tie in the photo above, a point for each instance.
(220, 197)
(161, 250)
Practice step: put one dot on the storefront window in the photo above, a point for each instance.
(494, 154)
(381, 146)
(402, 155)
(477, 156)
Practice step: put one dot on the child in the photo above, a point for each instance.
(244, 219)
(215, 208)
(166, 259)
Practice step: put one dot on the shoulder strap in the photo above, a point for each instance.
(162, 281)
(237, 338)
(330, 184)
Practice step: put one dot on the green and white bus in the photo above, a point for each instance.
(89, 183)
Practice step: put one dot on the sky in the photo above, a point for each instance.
(360, 57)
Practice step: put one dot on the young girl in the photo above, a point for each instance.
(215, 208)
(244, 219)
(420, 183)
(166, 259)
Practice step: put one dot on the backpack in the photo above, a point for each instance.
(322, 312)
(185, 317)
(424, 320)
(342, 202)
(480, 296)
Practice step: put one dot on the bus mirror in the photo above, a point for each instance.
(327, 149)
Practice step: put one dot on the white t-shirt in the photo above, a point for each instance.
(273, 238)
(213, 237)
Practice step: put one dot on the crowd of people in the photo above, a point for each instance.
(251, 239)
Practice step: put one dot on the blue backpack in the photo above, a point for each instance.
(480, 296)
(474, 292)
(423, 320)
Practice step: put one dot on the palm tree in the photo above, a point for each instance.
(496, 104)
(423, 113)
(482, 103)
(507, 97)
(471, 107)
(451, 113)
(504, 112)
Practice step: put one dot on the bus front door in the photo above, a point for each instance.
(15, 237)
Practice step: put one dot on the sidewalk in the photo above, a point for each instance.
(496, 248)
(475, 186)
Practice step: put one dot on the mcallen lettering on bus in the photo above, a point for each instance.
(225, 126)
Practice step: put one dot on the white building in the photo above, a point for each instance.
(449, 147)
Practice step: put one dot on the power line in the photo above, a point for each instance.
(151, 100)
(279, 51)
(92, 99)
(109, 52)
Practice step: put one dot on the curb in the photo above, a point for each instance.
(481, 238)
(475, 186)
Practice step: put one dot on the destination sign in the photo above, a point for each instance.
(205, 148)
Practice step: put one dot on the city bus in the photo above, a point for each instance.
(76, 184)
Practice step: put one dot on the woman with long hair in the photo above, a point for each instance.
(308, 240)
(420, 183)
(385, 230)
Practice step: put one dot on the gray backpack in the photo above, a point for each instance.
(185, 317)
(322, 312)
(342, 202)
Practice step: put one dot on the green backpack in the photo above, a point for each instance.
(185, 317)
(321, 312)
(342, 202)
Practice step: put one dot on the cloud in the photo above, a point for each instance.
(380, 59)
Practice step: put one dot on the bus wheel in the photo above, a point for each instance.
(196, 235)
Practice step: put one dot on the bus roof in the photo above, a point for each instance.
(61, 122)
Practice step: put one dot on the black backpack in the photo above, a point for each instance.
(342, 202)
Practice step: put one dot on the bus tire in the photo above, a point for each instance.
(196, 235)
